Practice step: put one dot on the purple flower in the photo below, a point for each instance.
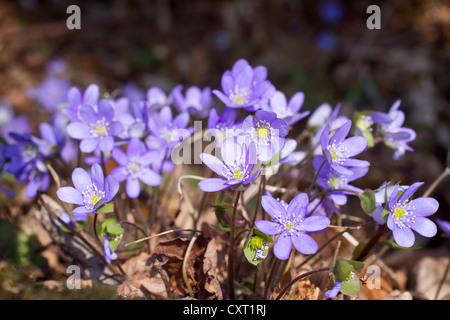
(157, 98)
(236, 169)
(76, 99)
(90, 192)
(109, 255)
(267, 131)
(395, 136)
(331, 11)
(338, 150)
(334, 291)
(135, 166)
(287, 111)
(50, 93)
(243, 86)
(26, 163)
(330, 179)
(196, 101)
(223, 126)
(78, 217)
(166, 133)
(292, 225)
(97, 129)
(406, 215)
(444, 225)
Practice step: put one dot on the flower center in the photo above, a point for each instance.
(289, 225)
(335, 182)
(402, 215)
(262, 133)
(91, 196)
(237, 171)
(239, 96)
(99, 129)
(338, 152)
(364, 123)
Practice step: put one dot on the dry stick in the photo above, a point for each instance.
(436, 182)
(68, 226)
(164, 279)
(161, 234)
(304, 275)
(140, 229)
(183, 267)
(231, 248)
(327, 282)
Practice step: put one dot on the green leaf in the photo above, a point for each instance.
(396, 246)
(114, 241)
(357, 265)
(368, 202)
(342, 270)
(106, 208)
(358, 249)
(220, 210)
(351, 286)
(109, 226)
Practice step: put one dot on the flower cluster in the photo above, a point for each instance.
(129, 141)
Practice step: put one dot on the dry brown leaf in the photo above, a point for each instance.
(144, 279)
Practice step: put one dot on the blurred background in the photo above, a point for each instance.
(322, 48)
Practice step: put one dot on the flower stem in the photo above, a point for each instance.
(269, 280)
(382, 230)
(231, 248)
(315, 177)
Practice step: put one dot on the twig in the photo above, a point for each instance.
(304, 275)
(163, 275)
(160, 234)
(183, 268)
(327, 282)
(231, 248)
(436, 182)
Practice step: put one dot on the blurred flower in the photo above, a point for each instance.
(135, 166)
(287, 111)
(331, 11)
(75, 99)
(196, 101)
(395, 136)
(444, 225)
(243, 86)
(11, 123)
(56, 67)
(109, 255)
(132, 91)
(236, 169)
(326, 40)
(26, 163)
(90, 192)
(166, 133)
(338, 150)
(51, 93)
(223, 126)
(291, 224)
(157, 98)
(267, 131)
(97, 129)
